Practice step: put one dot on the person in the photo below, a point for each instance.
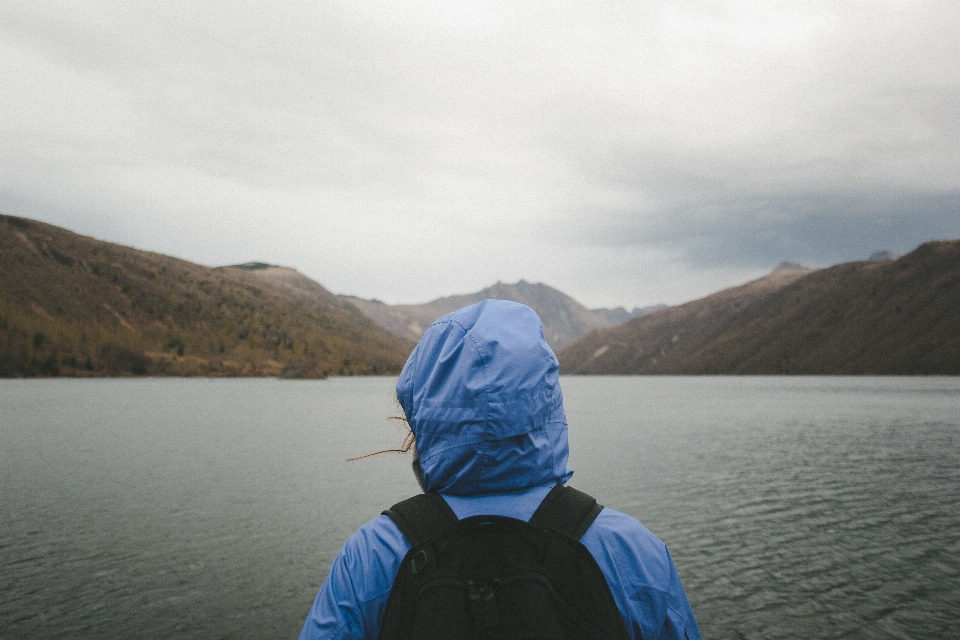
(482, 397)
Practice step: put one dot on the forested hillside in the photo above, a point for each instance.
(73, 305)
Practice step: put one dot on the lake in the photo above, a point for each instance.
(794, 507)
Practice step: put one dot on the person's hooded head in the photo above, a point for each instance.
(481, 393)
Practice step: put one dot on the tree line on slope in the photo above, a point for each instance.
(73, 305)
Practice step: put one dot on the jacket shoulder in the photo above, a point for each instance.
(373, 555)
(350, 602)
(616, 531)
(642, 577)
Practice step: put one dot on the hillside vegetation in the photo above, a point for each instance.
(897, 317)
(73, 305)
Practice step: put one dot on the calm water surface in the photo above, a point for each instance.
(793, 507)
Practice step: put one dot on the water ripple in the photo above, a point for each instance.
(793, 507)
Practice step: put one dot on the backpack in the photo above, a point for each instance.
(499, 577)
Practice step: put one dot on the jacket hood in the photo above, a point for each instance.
(481, 392)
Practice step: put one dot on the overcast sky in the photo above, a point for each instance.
(626, 153)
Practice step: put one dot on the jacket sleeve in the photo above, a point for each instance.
(351, 600)
(680, 622)
(642, 578)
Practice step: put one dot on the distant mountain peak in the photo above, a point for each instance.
(564, 319)
(249, 266)
(620, 315)
(790, 266)
(882, 256)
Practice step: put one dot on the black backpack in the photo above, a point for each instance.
(499, 577)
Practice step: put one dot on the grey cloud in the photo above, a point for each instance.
(709, 138)
(815, 229)
(294, 97)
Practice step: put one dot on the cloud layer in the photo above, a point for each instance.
(624, 152)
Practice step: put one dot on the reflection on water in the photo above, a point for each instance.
(794, 507)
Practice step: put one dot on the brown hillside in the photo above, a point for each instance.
(890, 318)
(656, 342)
(897, 318)
(73, 305)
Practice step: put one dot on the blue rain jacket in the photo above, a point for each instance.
(481, 393)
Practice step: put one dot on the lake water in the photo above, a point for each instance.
(211, 509)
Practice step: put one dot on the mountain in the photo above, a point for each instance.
(73, 305)
(620, 315)
(896, 317)
(882, 256)
(564, 319)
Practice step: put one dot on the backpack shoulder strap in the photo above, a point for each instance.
(421, 516)
(568, 510)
